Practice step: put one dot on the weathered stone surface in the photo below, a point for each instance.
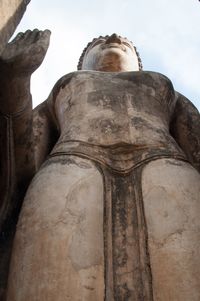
(171, 191)
(113, 212)
(11, 12)
(59, 243)
(129, 113)
(18, 60)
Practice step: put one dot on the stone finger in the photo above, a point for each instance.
(45, 34)
(18, 37)
(27, 34)
(34, 35)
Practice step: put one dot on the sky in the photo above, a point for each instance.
(165, 32)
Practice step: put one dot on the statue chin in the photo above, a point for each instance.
(111, 58)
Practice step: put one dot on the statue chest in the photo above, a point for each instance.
(122, 94)
(113, 107)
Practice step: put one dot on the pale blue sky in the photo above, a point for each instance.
(166, 33)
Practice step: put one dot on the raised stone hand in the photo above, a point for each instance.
(24, 54)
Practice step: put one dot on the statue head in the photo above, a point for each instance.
(110, 53)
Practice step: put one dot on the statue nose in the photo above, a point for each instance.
(114, 38)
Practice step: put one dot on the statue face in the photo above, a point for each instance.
(112, 54)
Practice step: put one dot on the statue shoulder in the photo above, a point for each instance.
(158, 77)
(184, 103)
(149, 78)
(62, 82)
(65, 80)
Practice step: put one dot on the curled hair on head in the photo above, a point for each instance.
(80, 62)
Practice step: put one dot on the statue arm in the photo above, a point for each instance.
(19, 60)
(46, 126)
(45, 132)
(185, 128)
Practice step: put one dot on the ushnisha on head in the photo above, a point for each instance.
(110, 53)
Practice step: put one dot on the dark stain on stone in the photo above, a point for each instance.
(185, 128)
(122, 293)
(64, 160)
(174, 162)
(104, 99)
(105, 126)
(139, 122)
(84, 165)
(89, 287)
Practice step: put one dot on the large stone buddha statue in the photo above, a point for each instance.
(112, 212)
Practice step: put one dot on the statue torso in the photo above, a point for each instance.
(104, 108)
